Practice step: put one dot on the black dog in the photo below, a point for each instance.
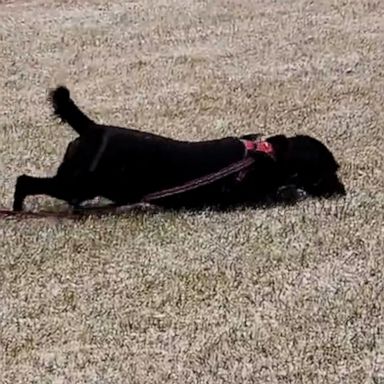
(123, 165)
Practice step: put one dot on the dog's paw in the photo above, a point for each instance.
(19, 195)
(290, 194)
(17, 206)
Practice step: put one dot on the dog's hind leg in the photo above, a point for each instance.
(50, 186)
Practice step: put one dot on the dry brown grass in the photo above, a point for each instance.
(272, 296)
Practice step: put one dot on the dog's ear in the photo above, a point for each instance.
(280, 144)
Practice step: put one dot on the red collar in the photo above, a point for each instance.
(259, 146)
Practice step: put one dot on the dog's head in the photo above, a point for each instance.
(307, 164)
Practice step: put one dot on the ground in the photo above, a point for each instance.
(283, 295)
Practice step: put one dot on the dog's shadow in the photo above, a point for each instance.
(146, 208)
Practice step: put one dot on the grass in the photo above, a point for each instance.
(290, 295)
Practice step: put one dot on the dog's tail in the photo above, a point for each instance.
(65, 109)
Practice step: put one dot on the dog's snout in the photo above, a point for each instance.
(334, 187)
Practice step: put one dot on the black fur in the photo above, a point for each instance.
(123, 165)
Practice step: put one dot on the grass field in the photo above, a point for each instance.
(283, 295)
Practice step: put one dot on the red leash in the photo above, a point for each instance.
(151, 197)
(242, 165)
